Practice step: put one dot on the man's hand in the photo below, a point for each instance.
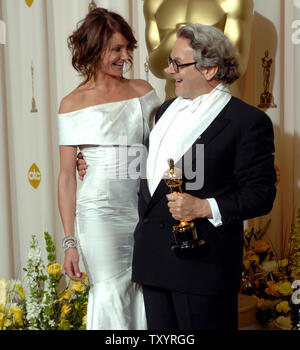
(185, 207)
(81, 166)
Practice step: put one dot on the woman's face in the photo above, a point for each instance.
(115, 56)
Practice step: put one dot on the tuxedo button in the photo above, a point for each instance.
(146, 220)
(162, 225)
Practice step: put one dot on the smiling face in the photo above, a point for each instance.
(115, 56)
(189, 82)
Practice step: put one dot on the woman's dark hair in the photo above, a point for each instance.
(90, 39)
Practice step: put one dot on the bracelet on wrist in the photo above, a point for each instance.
(69, 242)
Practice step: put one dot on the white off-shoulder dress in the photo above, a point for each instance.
(110, 137)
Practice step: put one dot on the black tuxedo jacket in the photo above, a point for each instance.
(239, 173)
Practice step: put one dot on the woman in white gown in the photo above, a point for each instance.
(109, 118)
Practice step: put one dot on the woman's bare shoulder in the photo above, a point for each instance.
(66, 104)
(71, 102)
(141, 87)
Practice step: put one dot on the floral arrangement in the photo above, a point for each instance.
(269, 279)
(40, 303)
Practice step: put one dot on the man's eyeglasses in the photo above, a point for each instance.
(176, 66)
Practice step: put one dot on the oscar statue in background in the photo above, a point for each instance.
(267, 98)
(164, 17)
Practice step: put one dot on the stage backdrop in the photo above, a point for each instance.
(36, 72)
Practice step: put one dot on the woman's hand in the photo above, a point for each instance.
(71, 265)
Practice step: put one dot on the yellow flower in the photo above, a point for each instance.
(86, 280)
(17, 312)
(260, 302)
(285, 288)
(3, 285)
(283, 263)
(84, 308)
(4, 321)
(248, 257)
(66, 295)
(64, 325)
(296, 274)
(247, 231)
(260, 246)
(20, 289)
(65, 310)
(77, 286)
(283, 322)
(246, 264)
(272, 289)
(283, 307)
(54, 269)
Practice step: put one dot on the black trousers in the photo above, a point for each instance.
(170, 310)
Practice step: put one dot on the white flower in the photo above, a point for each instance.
(3, 291)
(34, 254)
(37, 291)
(52, 323)
(11, 290)
(269, 266)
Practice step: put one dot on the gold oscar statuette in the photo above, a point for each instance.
(92, 6)
(266, 97)
(33, 103)
(187, 240)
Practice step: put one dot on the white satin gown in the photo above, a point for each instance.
(110, 137)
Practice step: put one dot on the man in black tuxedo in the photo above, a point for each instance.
(239, 184)
(200, 292)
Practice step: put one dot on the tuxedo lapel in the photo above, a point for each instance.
(144, 190)
(161, 190)
(214, 129)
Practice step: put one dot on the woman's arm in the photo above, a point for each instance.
(67, 188)
(67, 206)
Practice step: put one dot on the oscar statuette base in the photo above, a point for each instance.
(188, 243)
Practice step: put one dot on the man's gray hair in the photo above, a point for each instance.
(212, 48)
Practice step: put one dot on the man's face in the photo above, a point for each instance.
(189, 82)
